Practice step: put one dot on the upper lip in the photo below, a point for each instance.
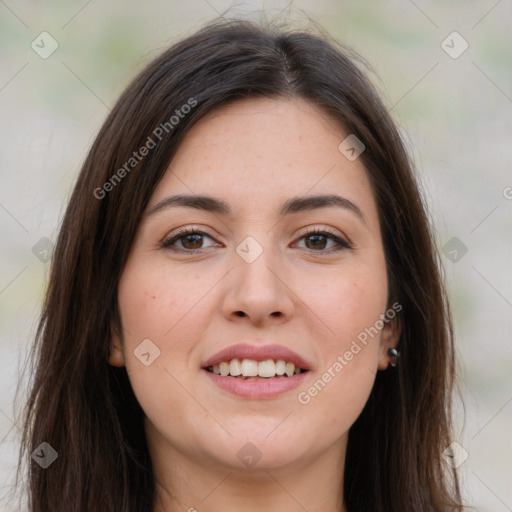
(257, 353)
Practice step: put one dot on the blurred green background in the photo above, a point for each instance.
(455, 112)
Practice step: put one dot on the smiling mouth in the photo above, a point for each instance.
(250, 369)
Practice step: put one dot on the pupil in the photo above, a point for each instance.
(316, 237)
(197, 239)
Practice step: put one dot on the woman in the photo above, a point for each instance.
(245, 309)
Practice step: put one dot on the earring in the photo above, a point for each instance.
(394, 354)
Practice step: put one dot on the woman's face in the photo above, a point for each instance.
(261, 286)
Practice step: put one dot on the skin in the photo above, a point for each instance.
(254, 154)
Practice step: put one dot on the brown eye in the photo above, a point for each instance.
(317, 241)
(191, 241)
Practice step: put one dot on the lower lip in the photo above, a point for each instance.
(257, 389)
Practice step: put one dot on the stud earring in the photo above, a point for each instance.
(394, 354)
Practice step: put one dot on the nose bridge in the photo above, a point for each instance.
(257, 257)
(257, 287)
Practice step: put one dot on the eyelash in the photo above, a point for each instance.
(341, 244)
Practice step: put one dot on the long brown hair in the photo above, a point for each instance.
(86, 410)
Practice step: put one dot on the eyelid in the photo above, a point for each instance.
(315, 229)
(183, 231)
(325, 228)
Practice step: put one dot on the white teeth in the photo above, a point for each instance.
(235, 368)
(280, 367)
(224, 368)
(267, 368)
(248, 368)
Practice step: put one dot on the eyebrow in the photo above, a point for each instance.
(291, 206)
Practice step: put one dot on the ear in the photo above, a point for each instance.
(389, 337)
(116, 357)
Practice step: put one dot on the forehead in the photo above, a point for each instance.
(264, 151)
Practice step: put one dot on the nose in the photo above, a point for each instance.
(261, 290)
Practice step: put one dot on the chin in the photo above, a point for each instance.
(259, 452)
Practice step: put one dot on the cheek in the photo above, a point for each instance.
(351, 304)
(153, 310)
(155, 302)
(154, 306)
(350, 307)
